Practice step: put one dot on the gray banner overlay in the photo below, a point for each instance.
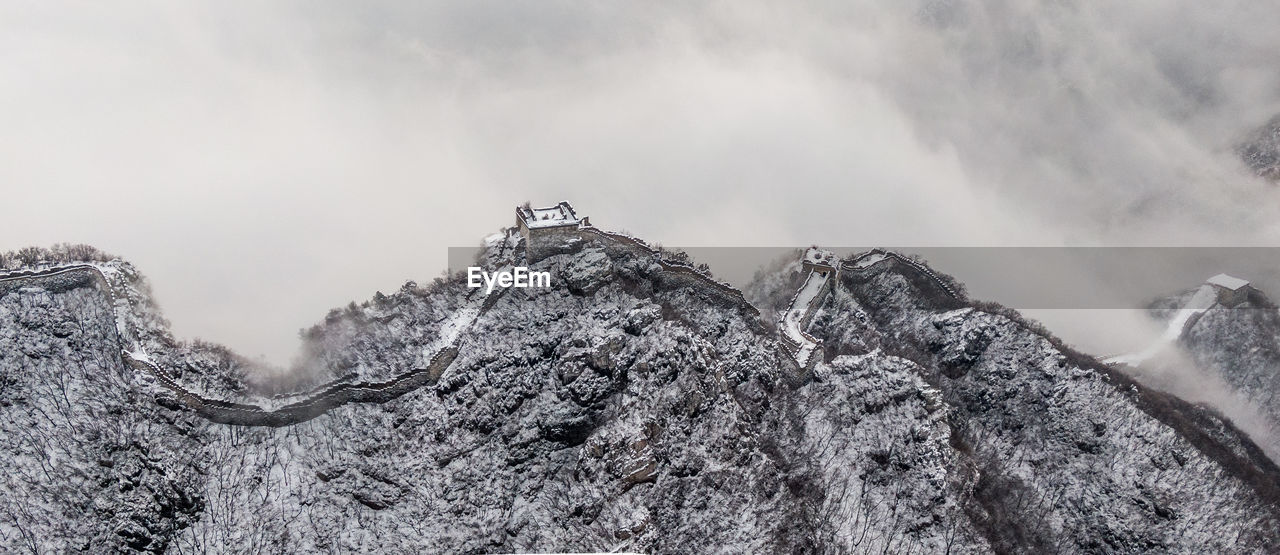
(1028, 277)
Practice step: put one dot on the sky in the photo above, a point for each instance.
(262, 163)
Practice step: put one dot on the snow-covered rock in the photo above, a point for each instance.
(646, 408)
(1237, 347)
(1260, 150)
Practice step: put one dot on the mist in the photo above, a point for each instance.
(262, 164)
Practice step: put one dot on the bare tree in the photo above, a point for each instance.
(29, 256)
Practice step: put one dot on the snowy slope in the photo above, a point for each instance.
(794, 319)
(1261, 149)
(634, 406)
(1204, 298)
(1068, 454)
(1240, 346)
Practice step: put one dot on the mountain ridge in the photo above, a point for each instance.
(635, 405)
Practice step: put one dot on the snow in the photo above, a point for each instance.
(667, 379)
(450, 330)
(1203, 300)
(793, 320)
(139, 354)
(554, 216)
(1229, 282)
(815, 255)
(869, 260)
(460, 321)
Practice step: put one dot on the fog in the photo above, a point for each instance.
(264, 163)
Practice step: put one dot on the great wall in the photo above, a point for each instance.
(728, 292)
(820, 279)
(877, 256)
(310, 404)
(799, 313)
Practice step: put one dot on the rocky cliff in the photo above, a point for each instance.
(637, 404)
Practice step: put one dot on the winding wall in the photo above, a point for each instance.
(852, 265)
(312, 404)
(337, 393)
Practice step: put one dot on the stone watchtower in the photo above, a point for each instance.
(1231, 290)
(547, 230)
(818, 260)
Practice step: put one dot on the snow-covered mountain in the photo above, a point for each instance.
(637, 404)
(1261, 149)
(1243, 347)
(1235, 348)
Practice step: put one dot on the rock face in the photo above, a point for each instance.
(1240, 346)
(634, 405)
(1065, 449)
(1261, 150)
(1243, 345)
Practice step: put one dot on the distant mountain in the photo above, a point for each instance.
(1261, 149)
(637, 404)
(1237, 344)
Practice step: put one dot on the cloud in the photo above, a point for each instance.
(264, 163)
